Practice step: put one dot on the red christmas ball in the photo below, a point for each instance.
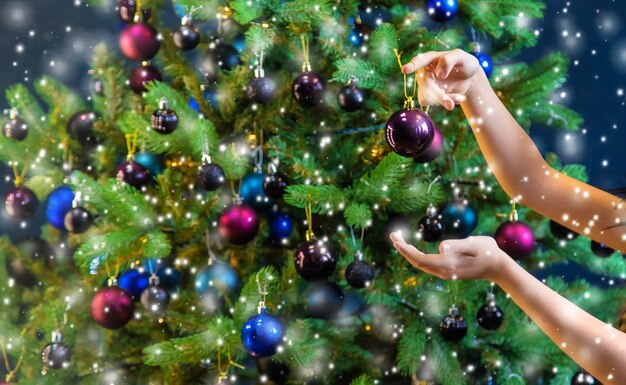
(239, 224)
(112, 307)
(433, 151)
(139, 41)
(409, 132)
(21, 202)
(142, 75)
(516, 239)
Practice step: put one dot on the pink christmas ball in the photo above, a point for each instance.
(516, 239)
(239, 224)
(139, 41)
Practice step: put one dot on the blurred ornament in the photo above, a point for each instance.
(56, 355)
(601, 250)
(20, 272)
(169, 276)
(239, 224)
(459, 218)
(430, 227)
(219, 56)
(275, 372)
(275, 185)
(370, 17)
(359, 273)
(210, 175)
(490, 316)
(355, 37)
(139, 42)
(252, 192)
(134, 174)
(78, 220)
(433, 150)
(352, 306)
(153, 162)
(37, 249)
(127, 9)
(323, 300)
(59, 202)
(351, 98)
(164, 120)
(80, 126)
(515, 237)
(441, 10)
(314, 260)
(409, 132)
(134, 281)
(308, 89)
(483, 58)
(583, 378)
(15, 128)
(141, 75)
(280, 224)
(453, 327)
(155, 297)
(261, 334)
(20, 202)
(210, 95)
(260, 89)
(187, 36)
(112, 307)
(561, 232)
(217, 275)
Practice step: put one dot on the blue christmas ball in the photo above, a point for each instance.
(459, 218)
(59, 203)
(153, 162)
(218, 275)
(261, 334)
(252, 192)
(442, 10)
(240, 42)
(485, 62)
(281, 225)
(134, 282)
(169, 277)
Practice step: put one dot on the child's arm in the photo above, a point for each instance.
(594, 345)
(454, 77)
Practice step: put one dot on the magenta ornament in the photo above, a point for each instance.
(112, 307)
(139, 42)
(239, 224)
(516, 239)
(409, 132)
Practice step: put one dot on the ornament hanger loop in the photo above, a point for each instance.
(306, 65)
(262, 292)
(308, 211)
(137, 17)
(131, 144)
(513, 217)
(11, 372)
(207, 242)
(409, 102)
(19, 177)
(433, 182)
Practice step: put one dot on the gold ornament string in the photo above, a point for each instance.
(513, 217)
(7, 364)
(108, 270)
(137, 17)
(306, 65)
(19, 177)
(131, 144)
(224, 373)
(308, 211)
(409, 102)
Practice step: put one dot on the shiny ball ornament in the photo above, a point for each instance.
(308, 89)
(485, 61)
(459, 218)
(323, 300)
(433, 151)
(134, 174)
(134, 281)
(219, 56)
(490, 316)
(112, 307)
(441, 10)
(80, 126)
(431, 228)
(252, 192)
(78, 220)
(275, 185)
(453, 327)
(280, 224)
(155, 299)
(163, 120)
(169, 277)
(409, 132)
(15, 128)
(314, 260)
(239, 224)
(141, 75)
(516, 239)
(601, 250)
(20, 202)
(351, 98)
(153, 162)
(187, 36)
(126, 10)
(260, 89)
(139, 42)
(56, 355)
(210, 177)
(583, 378)
(58, 204)
(359, 274)
(218, 275)
(561, 232)
(261, 334)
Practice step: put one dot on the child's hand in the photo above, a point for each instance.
(476, 257)
(444, 78)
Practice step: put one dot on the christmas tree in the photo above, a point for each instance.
(218, 210)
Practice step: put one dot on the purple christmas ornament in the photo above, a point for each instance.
(409, 132)
(516, 239)
(239, 224)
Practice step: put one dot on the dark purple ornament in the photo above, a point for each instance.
(583, 378)
(80, 126)
(453, 327)
(187, 36)
(126, 10)
(561, 232)
(139, 41)
(490, 316)
(210, 176)
(431, 228)
(112, 307)
(56, 355)
(134, 174)
(433, 151)
(359, 274)
(15, 128)
(261, 88)
(351, 98)
(516, 239)
(308, 89)
(219, 56)
(164, 120)
(142, 75)
(21, 202)
(78, 220)
(239, 224)
(601, 250)
(314, 260)
(409, 132)
(275, 185)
